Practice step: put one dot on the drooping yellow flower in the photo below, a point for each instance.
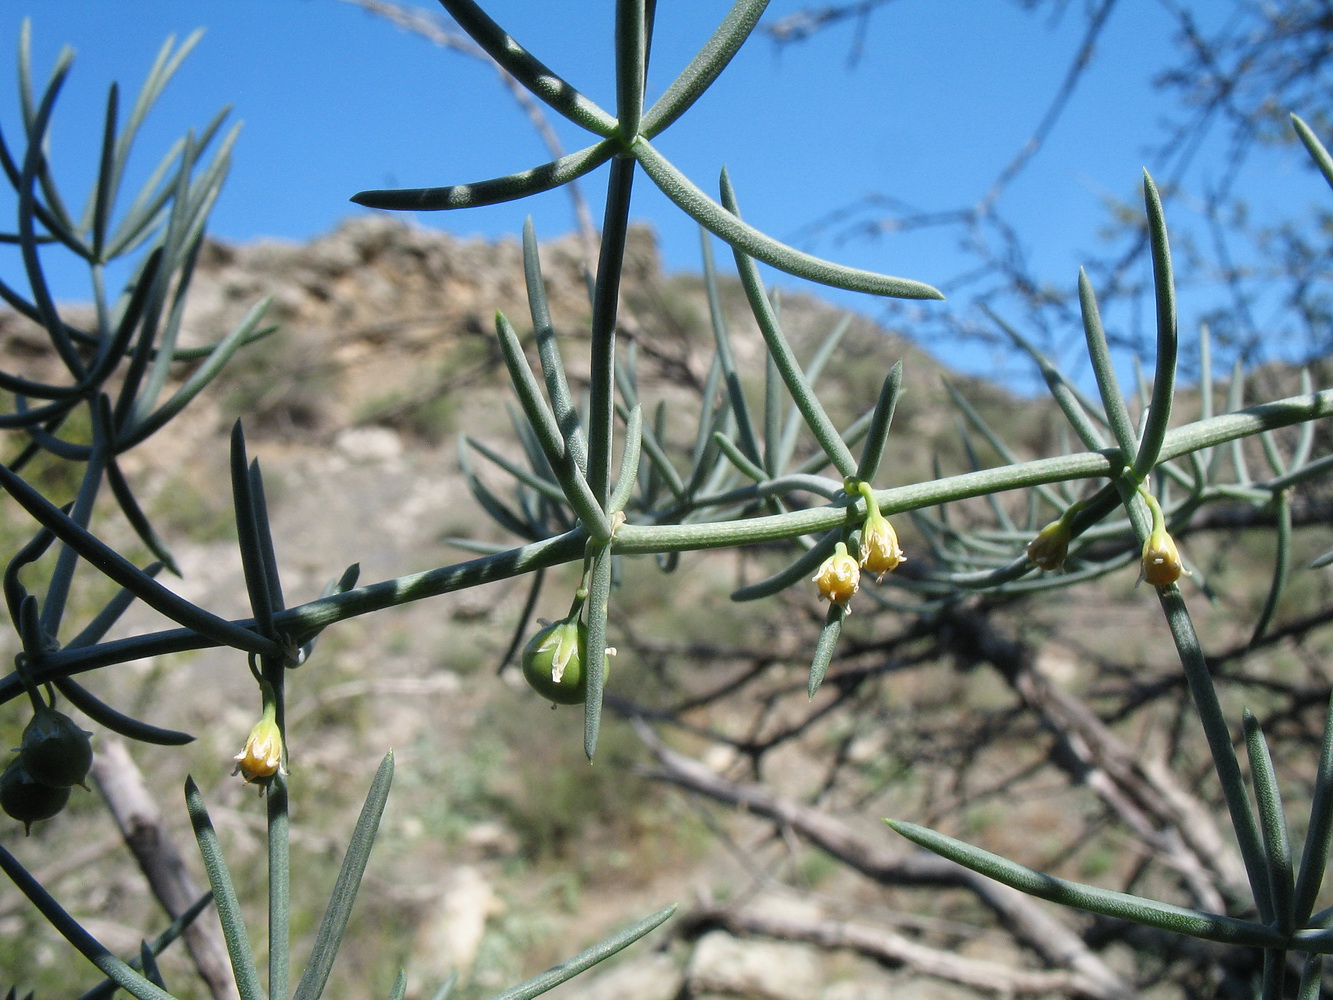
(839, 577)
(880, 552)
(1161, 559)
(1161, 565)
(262, 757)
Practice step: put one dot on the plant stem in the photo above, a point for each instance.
(602, 352)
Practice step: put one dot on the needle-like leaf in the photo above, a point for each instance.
(584, 960)
(510, 187)
(705, 67)
(329, 936)
(540, 79)
(1316, 148)
(825, 646)
(1272, 824)
(872, 451)
(108, 964)
(1164, 377)
(748, 240)
(224, 895)
(1118, 905)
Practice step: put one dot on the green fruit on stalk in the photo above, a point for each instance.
(553, 662)
(27, 800)
(55, 751)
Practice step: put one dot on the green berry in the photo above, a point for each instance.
(27, 800)
(553, 662)
(55, 751)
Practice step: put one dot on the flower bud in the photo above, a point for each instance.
(27, 800)
(1161, 559)
(553, 662)
(880, 552)
(262, 757)
(1049, 548)
(839, 578)
(54, 750)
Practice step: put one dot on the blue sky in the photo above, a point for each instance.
(335, 100)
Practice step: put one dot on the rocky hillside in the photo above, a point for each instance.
(502, 850)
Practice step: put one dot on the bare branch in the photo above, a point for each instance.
(893, 948)
(1019, 914)
(140, 821)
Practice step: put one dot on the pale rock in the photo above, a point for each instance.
(370, 444)
(756, 970)
(450, 936)
(649, 977)
(492, 840)
(860, 989)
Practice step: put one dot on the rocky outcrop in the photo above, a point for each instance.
(385, 346)
(379, 315)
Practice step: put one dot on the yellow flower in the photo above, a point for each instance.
(880, 553)
(1161, 559)
(262, 757)
(1049, 548)
(839, 578)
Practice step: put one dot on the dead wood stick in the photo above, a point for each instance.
(1019, 914)
(894, 949)
(140, 821)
